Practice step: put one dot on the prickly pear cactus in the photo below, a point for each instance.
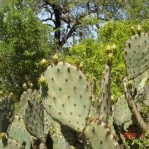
(137, 55)
(6, 112)
(99, 135)
(18, 132)
(122, 114)
(55, 132)
(68, 97)
(140, 81)
(34, 116)
(10, 144)
(27, 95)
(59, 141)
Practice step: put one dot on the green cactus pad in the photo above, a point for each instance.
(54, 129)
(6, 112)
(121, 113)
(59, 142)
(98, 135)
(140, 81)
(11, 144)
(27, 95)
(34, 117)
(68, 97)
(18, 132)
(137, 55)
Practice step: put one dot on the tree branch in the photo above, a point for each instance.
(72, 29)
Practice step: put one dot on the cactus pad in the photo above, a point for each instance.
(140, 81)
(98, 135)
(11, 144)
(68, 97)
(121, 113)
(137, 55)
(27, 95)
(18, 132)
(34, 116)
(6, 112)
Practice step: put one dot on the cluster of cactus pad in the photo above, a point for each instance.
(137, 63)
(63, 114)
(60, 115)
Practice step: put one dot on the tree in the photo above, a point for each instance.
(69, 17)
(79, 18)
(24, 42)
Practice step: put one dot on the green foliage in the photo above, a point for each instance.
(23, 43)
(89, 53)
(92, 53)
(136, 9)
(117, 33)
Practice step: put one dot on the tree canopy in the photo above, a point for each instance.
(24, 42)
(78, 18)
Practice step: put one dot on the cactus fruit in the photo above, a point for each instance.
(137, 55)
(130, 84)
(24, 86)
(42, 81)
(139, 29)
(110, 49)
(6, 112)
(30, 85)
(99, 135)
(81, 65)
(18, 132)
(69, 95)
(1, 93)
(44, 63)
(55, 59)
